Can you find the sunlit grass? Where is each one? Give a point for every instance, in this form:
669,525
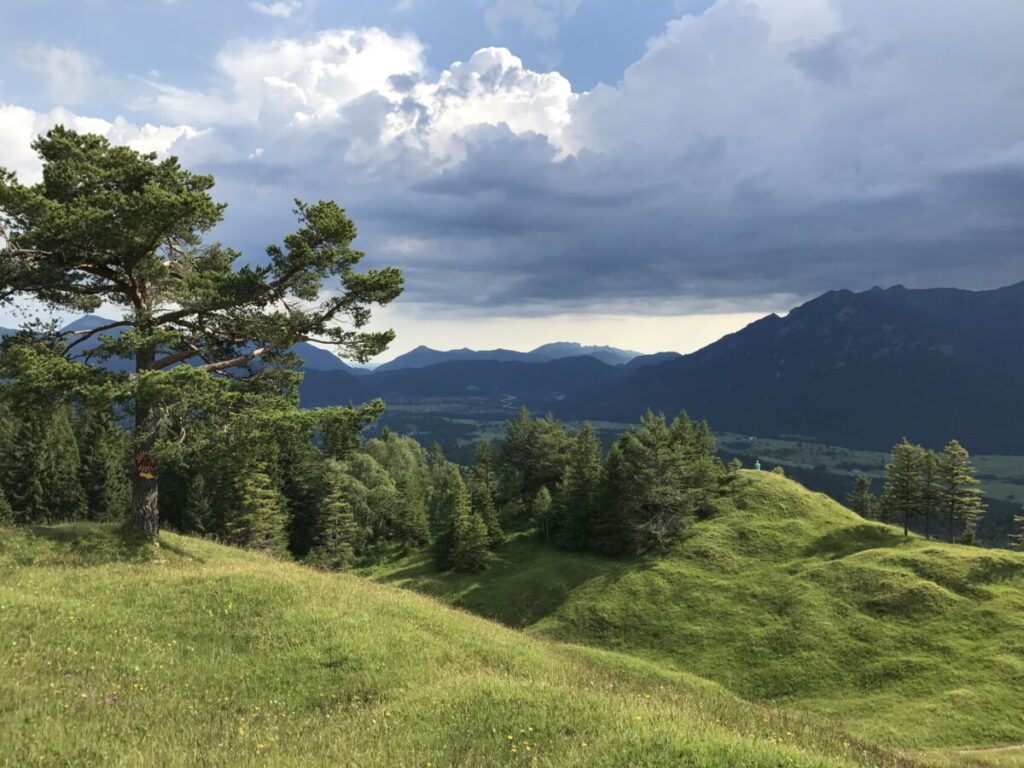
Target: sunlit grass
214,656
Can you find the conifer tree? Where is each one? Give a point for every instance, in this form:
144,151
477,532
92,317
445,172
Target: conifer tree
861,500
931,492
1016,537
470,552
103,448
258,521
405,462
958,491
541,511
579,493
110,224
454,508
485,466
337,537
482,502
901,497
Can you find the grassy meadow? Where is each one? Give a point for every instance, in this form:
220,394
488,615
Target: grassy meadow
219,657
786,597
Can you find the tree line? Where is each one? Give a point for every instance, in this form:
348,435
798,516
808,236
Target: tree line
938,489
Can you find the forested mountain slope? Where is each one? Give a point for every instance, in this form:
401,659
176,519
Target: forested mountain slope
784,595
854,369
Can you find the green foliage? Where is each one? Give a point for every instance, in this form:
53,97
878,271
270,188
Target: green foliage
452,506
470,543
258,520
104,455
542,512
785,596
482,504
405,462
901,497
533,456
109,225
958,491
337,536
778,470
861,500
6,512
1016,538
579,493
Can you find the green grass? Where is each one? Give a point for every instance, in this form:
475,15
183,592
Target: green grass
785,596
212,656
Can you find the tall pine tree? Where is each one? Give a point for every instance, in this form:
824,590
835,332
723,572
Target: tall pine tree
336,539
258,521
579,493
959,494
901,497
861,500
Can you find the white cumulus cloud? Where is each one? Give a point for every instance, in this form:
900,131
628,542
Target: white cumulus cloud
70,73
280,9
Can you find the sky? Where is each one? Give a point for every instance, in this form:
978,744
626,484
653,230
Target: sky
650,174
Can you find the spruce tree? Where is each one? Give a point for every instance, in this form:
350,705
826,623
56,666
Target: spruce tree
482,503
1016,537
470,552
454,506
336,540
258,521
931,493
959,494
861,500
6,513
901,497
579,494
103,448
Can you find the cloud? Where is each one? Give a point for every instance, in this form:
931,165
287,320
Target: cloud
372,90
540,17
70,74
19,127
757,153
282,10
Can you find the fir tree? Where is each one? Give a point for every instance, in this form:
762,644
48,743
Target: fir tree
578,495
959,494
337,538
454,508
931,492
258,521
901,497
470,552
861,500
1016,537
482,502
103,449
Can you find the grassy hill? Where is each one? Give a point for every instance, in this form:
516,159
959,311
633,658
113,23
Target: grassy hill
786,596
220,657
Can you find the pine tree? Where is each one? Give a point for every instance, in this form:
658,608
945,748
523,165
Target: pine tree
482,502
258,521
541,513
470,552
931,493
485,466
578,495
901,496
959,494
103,450
861,500
337,538
454,506
1016,537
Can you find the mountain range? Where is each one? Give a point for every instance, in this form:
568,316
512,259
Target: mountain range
855,369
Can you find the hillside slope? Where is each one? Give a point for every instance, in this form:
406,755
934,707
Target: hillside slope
218,657
786,596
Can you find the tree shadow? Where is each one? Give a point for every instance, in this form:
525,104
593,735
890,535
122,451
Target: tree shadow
850,541
82,544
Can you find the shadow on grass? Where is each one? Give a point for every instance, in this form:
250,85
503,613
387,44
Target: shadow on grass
83,544
850,541
527,581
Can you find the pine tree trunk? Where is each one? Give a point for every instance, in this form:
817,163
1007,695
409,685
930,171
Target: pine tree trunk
145,512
